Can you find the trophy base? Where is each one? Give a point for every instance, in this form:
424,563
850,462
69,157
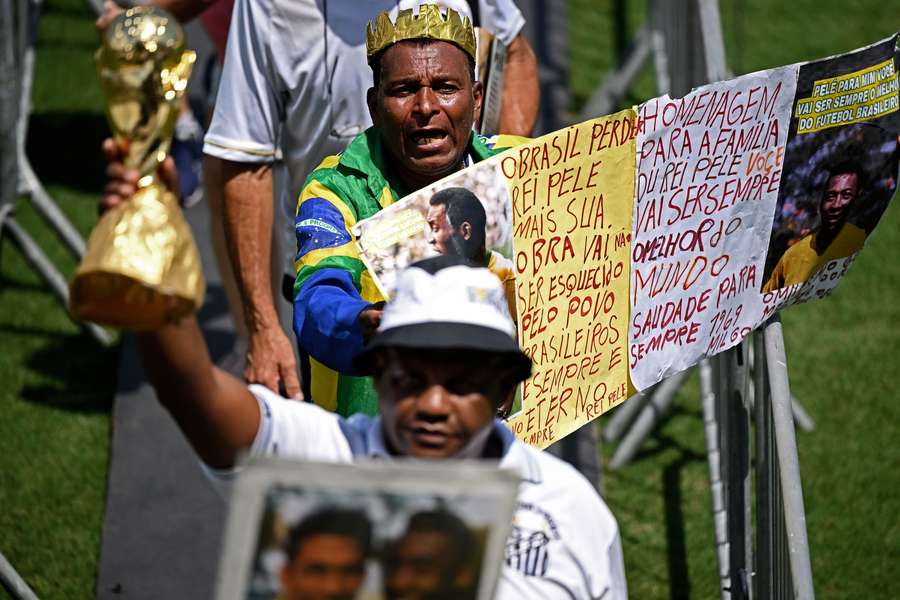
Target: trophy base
141,268
119,301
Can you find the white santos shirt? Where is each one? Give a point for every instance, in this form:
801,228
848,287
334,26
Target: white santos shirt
564,543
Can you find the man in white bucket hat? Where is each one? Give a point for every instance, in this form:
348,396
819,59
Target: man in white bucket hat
444,361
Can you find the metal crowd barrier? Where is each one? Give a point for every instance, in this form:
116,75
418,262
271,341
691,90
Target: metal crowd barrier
768,560
772,564
19,34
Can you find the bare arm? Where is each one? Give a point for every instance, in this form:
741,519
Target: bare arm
216,412
248,232
521,95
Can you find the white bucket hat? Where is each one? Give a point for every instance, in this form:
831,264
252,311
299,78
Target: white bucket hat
442,303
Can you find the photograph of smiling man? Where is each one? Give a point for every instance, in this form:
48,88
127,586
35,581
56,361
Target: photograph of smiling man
840,166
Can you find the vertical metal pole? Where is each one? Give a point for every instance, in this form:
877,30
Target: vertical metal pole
788,461
714,460
28,181
772,572
764,565
734,444
491,99
657,43
677,20
734,399
10,55
18,33
9,106
762,559
713,44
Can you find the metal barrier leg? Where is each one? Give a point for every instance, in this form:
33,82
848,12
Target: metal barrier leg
657,405
623,416
771,571
47,208
18,33
48,272
616,84
29,184
714,460
801,417
731,379
13,583
788,461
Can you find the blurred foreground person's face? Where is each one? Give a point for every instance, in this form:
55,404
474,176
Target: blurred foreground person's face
839,195
325,567
422,568
433,402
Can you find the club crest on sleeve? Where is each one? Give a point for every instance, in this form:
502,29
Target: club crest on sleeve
529,542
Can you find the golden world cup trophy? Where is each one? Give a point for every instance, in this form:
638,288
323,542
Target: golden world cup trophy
141,268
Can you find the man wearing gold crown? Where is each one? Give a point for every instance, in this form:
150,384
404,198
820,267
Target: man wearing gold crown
423,104
292,92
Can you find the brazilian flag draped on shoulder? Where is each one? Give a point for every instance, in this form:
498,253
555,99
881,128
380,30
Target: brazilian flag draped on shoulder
342,190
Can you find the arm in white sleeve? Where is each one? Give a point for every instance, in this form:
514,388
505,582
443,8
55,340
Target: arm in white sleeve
502,18
249,110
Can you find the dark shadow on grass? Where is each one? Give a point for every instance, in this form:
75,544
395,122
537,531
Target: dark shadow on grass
25,331
82,374
85,375
64,149
676,549
657,443
7,283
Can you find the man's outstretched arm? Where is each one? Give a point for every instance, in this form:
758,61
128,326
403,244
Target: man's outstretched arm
215,411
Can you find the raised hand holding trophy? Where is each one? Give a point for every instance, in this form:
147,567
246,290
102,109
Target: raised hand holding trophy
141,268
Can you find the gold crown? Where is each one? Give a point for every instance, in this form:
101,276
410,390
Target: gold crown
429,23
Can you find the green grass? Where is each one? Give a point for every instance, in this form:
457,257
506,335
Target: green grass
57,385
